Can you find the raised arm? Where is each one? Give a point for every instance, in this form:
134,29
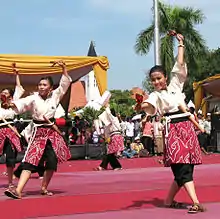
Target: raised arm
16,72
179,71
65,80
180,56
19,90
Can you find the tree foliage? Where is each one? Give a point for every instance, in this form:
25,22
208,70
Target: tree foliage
181,19
122,102
90,114
146,84
207,67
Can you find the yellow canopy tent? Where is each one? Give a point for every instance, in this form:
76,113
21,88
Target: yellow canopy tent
203,90
32,68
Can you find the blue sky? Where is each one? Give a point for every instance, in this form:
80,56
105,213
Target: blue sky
55,27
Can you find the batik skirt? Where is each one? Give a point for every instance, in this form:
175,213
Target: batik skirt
116,144
182,145
6,132
38,143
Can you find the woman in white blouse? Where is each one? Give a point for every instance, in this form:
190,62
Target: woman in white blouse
10,143
182,149
46,144
112,131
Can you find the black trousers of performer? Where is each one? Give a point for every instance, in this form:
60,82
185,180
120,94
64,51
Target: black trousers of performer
204,140
38,169
148,144
10,154
110,159
183,173
49,160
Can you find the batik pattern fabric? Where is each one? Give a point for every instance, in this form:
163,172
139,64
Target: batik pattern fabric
38,143
182,145
116,144
6,132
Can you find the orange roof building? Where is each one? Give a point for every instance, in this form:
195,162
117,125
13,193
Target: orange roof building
77,95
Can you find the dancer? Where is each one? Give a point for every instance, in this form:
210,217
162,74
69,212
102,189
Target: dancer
112,130
46,144
182,149
10,143
26,133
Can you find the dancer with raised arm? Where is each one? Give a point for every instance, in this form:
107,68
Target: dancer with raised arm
10,143
46,143
26,134
182,149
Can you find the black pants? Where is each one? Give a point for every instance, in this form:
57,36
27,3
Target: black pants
10,153
202,137
38,169
183,173
48,160
148,144
112,159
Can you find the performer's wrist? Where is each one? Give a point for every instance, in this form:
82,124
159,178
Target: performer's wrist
181,45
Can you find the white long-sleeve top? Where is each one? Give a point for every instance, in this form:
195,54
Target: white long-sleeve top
158,127
166,101
111,122
19,91
27,132
207,127
40,107
9,113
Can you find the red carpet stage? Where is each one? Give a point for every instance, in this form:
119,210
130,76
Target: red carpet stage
135,192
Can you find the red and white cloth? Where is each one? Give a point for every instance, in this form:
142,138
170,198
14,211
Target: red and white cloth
6,132
13,138
116,144
182,145
38,143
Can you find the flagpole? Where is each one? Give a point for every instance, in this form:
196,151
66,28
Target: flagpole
156,35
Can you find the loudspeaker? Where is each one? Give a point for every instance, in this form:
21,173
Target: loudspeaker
218,141
215,140
215,121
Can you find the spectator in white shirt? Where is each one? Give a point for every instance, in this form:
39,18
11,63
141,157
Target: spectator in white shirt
129,131
207,127
202,136
122,124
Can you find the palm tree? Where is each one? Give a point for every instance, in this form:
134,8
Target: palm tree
182,20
